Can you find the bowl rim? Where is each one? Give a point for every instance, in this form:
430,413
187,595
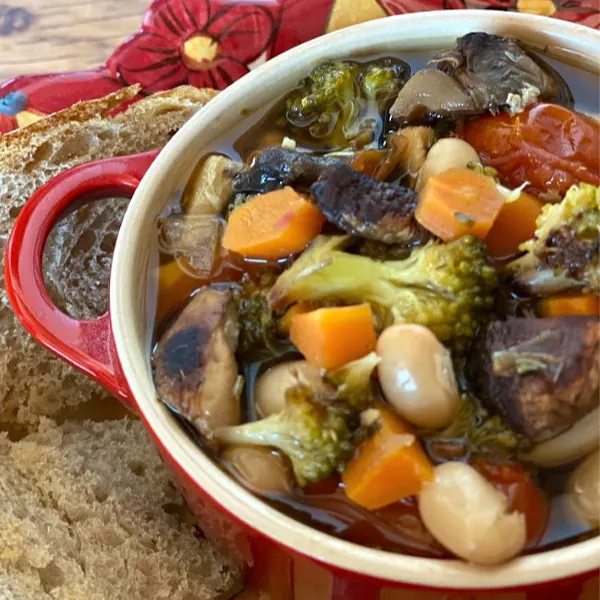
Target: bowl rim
233,498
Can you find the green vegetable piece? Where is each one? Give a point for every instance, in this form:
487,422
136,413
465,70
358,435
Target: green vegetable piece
446,287
317,439
565,250
382,80
482,431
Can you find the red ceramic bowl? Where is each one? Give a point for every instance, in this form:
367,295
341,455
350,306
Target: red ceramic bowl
115,349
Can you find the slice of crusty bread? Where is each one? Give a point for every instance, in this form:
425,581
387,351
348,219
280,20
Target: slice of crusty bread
86,508
32,382
88,513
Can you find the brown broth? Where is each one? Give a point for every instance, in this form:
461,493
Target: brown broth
397,528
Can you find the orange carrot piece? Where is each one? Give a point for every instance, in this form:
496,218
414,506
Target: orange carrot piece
514,225
389,466
273,225
300,308
564,305
174,287
329,338
459,202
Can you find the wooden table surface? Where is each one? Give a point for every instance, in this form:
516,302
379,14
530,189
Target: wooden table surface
38,36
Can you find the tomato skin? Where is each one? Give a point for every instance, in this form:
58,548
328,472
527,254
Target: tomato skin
547,145
523,494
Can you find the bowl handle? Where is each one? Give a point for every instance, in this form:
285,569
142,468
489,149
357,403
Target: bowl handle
87,345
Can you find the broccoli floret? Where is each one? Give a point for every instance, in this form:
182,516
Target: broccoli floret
565,250
446,287
353,382
382,80
326,99
339,100
258,324
482,431
318,439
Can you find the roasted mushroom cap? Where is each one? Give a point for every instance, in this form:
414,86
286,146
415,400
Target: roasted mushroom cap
276,167
431,93
483,72
195,370
366,207
540,374
492,69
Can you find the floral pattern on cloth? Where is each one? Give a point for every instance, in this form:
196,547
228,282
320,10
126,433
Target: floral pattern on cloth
212,43
195,42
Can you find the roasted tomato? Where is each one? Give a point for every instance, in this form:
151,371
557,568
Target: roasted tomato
549,146
523,494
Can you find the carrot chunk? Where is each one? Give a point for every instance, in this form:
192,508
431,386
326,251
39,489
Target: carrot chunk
459,202
273,225
564,305
297,309
174,287
329,338
514,225
389,466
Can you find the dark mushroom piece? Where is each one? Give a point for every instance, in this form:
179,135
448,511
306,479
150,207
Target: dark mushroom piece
482,73
540,374
431,93
368,208
195,369
276,167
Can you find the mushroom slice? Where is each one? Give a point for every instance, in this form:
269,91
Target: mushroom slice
195,370
431,93
210,186
274,168
540,374
482,73
366,207
497,71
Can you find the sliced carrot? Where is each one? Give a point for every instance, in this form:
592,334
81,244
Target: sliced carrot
332,337
298,309
564,305
514,225
459,202
389,466
273,225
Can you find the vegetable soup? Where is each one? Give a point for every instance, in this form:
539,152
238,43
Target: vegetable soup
378,302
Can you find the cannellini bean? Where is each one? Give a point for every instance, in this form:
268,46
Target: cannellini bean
259,469
417,377
470,517
584,489
448,153
576,442
270,388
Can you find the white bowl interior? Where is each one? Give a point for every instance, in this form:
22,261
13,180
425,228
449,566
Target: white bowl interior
130,303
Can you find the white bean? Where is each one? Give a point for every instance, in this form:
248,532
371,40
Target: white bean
448,153
259,469
270,388
470,517
578,441
417,377
584,489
